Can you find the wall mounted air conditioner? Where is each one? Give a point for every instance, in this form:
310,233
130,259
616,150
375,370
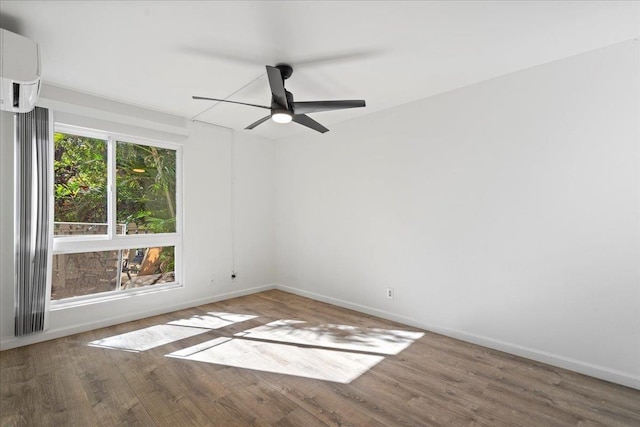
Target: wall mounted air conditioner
20,72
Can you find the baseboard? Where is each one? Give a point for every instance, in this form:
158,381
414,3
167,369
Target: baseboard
103,323
600,372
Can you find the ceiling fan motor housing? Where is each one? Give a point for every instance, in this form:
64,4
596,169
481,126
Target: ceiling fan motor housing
285,70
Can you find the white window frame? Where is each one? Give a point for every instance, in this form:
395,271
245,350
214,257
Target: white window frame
113,241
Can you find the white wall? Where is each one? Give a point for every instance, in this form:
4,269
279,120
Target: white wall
213,158
254,210
505,213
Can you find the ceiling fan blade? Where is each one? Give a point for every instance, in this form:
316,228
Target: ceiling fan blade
307,121
276,82
316,106
231,102
259,122
336,57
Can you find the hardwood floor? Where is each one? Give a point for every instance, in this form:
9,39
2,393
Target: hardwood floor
230,363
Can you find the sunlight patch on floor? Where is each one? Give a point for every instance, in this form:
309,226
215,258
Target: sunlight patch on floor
147,338
329,352
317,363
175,330
212,320
343,337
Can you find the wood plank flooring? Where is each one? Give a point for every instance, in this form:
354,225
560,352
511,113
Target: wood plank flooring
230,364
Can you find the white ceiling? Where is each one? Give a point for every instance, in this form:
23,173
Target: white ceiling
157,54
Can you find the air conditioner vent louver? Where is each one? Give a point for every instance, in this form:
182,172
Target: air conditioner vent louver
16,95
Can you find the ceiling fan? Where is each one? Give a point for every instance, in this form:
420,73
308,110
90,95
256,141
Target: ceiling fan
284,109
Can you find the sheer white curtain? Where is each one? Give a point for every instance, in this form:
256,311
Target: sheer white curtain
32,220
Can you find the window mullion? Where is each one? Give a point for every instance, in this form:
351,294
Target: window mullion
111,188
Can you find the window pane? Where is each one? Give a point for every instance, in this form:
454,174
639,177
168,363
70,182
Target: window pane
146,188
84,274
80,185
147,267
89,273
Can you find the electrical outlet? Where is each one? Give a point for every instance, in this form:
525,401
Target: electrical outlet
390,293
212,281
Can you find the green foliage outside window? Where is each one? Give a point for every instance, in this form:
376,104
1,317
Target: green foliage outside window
146,187
80,169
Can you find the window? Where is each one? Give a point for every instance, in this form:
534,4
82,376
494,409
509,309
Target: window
80,185
146,187
116,214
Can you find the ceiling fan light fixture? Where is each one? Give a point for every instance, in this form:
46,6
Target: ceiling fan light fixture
281,116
